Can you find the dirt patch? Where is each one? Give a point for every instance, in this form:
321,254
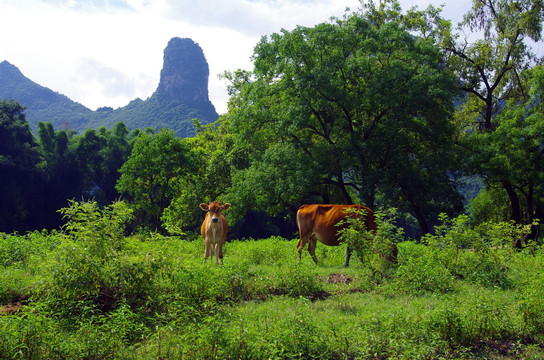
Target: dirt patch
11,309
506,349
339,279
320,295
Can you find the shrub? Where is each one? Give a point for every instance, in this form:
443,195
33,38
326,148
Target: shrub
480,254
94,260
378,249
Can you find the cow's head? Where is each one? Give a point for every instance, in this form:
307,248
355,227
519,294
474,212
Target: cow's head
214,209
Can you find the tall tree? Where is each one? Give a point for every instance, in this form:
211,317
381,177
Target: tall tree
493,53
348,111
512,156
211,154
491,61
150,173
81,166
65,180
115,153
22,170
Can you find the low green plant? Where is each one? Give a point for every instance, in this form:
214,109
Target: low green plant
296,279
531,287
376,248
15,285
420,271
476,253
17,250
95,260
29,335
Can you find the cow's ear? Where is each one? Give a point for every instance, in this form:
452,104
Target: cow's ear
225,206
204,207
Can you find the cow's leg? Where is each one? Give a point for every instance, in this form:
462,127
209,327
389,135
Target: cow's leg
207,249
300,246
312,241
218,253
348,255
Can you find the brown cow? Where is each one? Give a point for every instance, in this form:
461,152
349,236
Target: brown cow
214,229
319,222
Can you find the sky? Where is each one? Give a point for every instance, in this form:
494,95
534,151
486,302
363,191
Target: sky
109,52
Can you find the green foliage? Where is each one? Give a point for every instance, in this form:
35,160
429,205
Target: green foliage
420,271
101,230
351,99
482,254
377,248
296,279
40,176
33,336
149,175
209,176
355,108
491,204
95,262
16,250
490,67
528,274
275,253
21,169
511,161
262,303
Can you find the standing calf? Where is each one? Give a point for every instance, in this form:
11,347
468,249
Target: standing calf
214,229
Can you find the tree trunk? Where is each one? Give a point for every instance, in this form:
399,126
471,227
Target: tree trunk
515,210
423,225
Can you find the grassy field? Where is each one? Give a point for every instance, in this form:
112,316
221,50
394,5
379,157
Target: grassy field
96,294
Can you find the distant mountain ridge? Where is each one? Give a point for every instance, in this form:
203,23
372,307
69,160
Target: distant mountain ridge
181,96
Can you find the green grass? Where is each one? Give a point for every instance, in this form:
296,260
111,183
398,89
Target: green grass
156,299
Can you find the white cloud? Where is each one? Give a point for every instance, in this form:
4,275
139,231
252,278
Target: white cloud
256,17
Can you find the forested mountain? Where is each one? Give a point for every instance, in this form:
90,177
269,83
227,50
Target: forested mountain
181,96
42,104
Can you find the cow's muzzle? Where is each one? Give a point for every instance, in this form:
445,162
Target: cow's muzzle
215,220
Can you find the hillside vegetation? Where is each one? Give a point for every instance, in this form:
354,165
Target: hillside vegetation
90,292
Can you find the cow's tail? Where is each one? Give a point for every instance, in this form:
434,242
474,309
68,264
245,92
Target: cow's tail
302,241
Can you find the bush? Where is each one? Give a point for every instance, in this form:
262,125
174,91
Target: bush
94,260
479,254
377,249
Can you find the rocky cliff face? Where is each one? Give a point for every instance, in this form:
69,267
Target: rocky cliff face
181,96
185,73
